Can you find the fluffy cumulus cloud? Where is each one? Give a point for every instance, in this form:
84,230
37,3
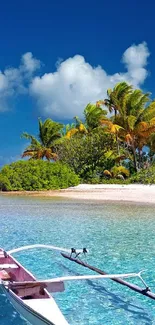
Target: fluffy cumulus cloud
14,81
135,59
29,63
67,91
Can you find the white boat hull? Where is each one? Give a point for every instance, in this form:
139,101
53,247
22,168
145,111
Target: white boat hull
32,315
22,309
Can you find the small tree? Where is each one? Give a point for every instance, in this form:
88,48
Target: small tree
43,146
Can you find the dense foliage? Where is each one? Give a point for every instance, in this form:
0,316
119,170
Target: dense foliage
144,176
87,155
36,175
115,142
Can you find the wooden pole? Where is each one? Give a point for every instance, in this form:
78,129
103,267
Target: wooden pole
144,291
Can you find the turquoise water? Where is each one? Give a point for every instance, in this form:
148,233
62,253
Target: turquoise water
120,238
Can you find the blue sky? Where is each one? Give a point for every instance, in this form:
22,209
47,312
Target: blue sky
56,56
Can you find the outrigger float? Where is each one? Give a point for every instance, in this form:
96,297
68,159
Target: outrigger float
32,298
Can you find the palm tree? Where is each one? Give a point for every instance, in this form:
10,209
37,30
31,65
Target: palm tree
151,144
43,146
66,129
117,97
94,114
116,102
137,121
78,127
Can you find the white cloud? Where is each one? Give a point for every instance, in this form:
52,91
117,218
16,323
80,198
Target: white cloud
29,63
135,59
65,92
75,83
14,80
136,56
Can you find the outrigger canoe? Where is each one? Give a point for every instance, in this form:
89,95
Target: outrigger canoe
33,299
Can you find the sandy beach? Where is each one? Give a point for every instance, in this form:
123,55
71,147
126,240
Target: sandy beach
100,192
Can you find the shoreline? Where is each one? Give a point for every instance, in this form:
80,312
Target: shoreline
98,192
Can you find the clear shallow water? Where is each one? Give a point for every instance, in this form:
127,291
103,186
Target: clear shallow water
120,237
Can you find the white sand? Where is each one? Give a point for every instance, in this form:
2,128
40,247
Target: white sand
112,192
100,192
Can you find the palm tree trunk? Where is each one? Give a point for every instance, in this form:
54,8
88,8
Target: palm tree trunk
140,158
115,109
134,158
118,147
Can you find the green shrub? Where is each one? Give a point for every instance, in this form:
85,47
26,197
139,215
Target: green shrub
35,175
115,181
4,183
145,176
104,180
120,170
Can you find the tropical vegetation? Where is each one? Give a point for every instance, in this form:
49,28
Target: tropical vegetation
43,145
35,175
113,142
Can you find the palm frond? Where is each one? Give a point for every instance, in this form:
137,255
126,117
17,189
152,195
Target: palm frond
93,114
149,112
28,153
71,132
131,120
49,133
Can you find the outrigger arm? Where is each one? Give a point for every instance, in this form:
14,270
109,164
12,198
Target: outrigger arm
74,278
60,249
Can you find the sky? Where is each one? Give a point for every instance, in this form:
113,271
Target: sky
57,56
